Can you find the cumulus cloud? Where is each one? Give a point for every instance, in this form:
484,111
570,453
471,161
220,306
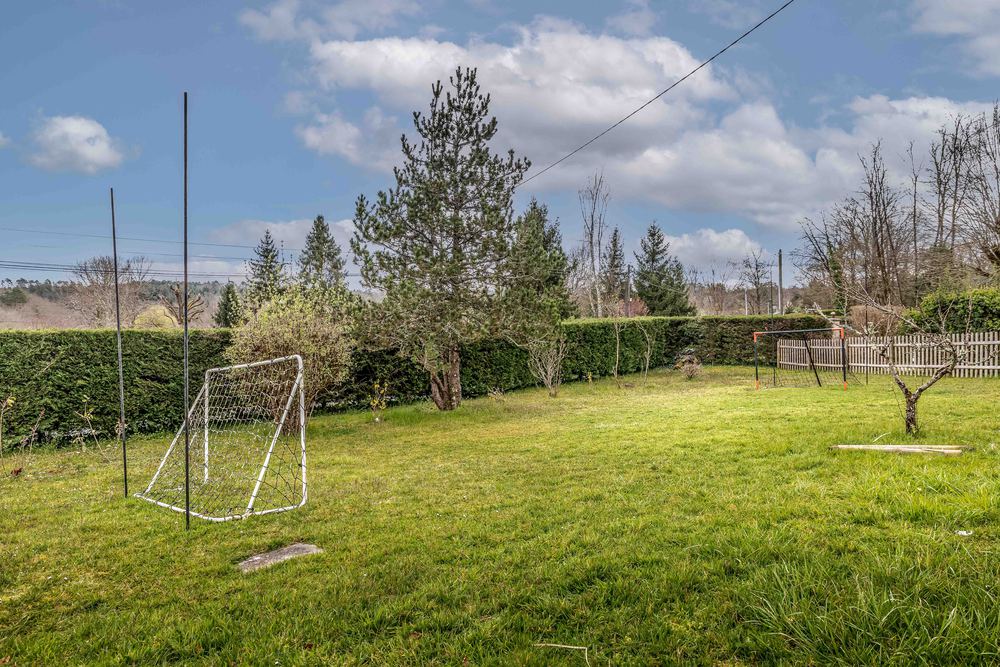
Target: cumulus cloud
711,145
373,143
283,20
706,248
75,143
975,22
637,19
289,234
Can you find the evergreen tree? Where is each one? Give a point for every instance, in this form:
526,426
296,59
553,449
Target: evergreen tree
552,263
613,271
321,263
435,244
228,312
659,277
266,280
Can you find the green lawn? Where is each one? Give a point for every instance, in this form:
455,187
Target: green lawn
694,522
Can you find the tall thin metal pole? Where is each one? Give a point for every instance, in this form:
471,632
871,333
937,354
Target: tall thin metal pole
628,291
187,397
781,283
118,327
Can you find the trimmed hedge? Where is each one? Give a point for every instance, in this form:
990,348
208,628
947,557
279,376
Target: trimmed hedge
64,372
977,309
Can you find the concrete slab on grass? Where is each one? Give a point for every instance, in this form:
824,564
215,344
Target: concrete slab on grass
260,561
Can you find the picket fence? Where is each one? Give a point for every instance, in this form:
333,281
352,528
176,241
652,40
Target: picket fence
915,355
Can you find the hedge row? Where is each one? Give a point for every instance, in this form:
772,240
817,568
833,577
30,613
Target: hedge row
71,373
975,310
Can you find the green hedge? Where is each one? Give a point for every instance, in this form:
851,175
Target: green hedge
978,309
66,372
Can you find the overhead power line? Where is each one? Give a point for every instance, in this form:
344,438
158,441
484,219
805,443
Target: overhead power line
131,238
658,95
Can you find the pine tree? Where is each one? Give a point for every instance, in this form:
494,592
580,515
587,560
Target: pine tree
266,280
659,277
435,243
228,312
613,272
321,264
553,264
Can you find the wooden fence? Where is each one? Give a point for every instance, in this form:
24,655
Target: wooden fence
914,354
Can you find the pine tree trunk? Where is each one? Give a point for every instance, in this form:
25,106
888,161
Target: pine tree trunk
446,385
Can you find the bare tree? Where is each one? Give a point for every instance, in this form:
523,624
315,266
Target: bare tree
175,304
593,209
93,294
755,278
983,204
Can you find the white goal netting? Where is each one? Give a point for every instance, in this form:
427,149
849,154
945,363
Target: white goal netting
247,452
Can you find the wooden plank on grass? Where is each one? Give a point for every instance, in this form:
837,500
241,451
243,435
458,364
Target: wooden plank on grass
946,450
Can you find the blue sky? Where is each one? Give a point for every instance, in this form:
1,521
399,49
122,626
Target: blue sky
297,107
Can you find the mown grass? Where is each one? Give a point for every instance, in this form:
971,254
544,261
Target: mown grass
676,522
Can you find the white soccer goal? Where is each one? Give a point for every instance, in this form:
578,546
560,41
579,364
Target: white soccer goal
247,452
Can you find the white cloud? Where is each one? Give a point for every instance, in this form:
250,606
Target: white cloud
976,23
732,14
75,143
638,19
706,249
374,144
290,235
277,22
4,141
712,145
283,20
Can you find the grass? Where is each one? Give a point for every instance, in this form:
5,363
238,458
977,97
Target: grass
677,522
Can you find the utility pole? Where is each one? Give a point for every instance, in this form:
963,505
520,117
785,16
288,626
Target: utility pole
746,302
781,285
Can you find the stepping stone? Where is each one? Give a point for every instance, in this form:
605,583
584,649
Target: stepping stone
260,561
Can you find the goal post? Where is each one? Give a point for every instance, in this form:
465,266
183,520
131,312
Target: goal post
247,423
801,358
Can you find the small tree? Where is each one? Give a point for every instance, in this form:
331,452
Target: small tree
321,263
228,314
659,277
266,279
535,298
613,270
436,242
93,292
294,322
175,305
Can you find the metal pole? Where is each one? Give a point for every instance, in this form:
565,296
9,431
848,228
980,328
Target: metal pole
843,356
781,300
118,327
756,364
628,291
187,397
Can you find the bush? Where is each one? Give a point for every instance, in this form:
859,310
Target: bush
973,310
314,326
57,370
155,317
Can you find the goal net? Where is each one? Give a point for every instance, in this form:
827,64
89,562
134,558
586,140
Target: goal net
801,358
247,445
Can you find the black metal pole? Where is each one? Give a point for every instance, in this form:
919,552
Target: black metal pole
812,365
756,365
118,327
187,398
843,355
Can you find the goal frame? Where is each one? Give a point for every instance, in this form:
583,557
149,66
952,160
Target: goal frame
201,401
838,332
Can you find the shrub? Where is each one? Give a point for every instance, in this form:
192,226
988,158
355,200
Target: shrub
155,317
688,364
314,326
973,310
